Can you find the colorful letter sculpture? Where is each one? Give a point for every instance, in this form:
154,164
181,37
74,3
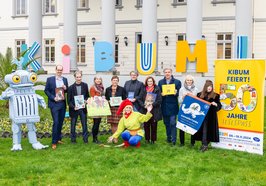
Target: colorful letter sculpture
199,55
23,105
66,59
146,58
242,47
103,56
29,56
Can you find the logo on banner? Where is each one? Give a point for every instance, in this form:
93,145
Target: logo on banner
146,58
103,56
199,56
192,113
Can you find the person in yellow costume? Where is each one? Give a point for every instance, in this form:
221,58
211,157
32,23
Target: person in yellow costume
130,124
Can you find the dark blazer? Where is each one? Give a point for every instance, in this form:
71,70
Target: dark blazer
138,88
120,91
170,103
72,91
156,110
50,92
212,121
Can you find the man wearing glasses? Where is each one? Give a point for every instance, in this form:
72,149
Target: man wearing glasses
55,89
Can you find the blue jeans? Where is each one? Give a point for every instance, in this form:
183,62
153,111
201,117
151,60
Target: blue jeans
170,125
132,140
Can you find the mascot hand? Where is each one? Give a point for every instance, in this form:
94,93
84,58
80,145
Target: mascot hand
110,139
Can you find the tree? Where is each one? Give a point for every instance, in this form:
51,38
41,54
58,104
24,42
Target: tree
6,67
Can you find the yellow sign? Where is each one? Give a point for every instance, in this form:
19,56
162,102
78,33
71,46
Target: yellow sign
241,87
199,55
168,89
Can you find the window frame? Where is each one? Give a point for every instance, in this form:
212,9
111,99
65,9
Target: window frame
83,8
224,42
18,46
15,8
181,34
119,5
80,44
177,3
50,46
50,12
215,2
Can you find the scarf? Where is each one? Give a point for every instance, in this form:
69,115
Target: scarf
189,88
99,88
149,89
127,114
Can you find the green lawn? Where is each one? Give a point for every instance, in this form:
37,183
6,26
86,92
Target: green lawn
159,164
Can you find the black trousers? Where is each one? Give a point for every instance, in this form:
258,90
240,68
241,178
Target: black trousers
182,138
95,127
150,128
83,118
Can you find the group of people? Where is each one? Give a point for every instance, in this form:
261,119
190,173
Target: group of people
128,119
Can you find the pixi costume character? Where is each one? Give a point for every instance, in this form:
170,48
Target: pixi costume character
23,105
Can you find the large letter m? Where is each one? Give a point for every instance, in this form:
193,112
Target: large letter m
199,56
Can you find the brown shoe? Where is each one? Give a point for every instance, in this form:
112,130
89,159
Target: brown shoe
60,142
53,146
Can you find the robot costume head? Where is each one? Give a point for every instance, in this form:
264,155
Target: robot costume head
21,78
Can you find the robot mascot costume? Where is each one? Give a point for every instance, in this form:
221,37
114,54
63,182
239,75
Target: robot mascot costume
23,105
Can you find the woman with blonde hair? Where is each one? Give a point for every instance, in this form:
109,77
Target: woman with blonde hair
96,89
187,88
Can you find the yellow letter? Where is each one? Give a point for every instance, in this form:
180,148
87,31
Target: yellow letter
199,55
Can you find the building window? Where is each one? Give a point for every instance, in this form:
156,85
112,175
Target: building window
118,4
18,43
181,37
214,2
179,2
224,45
49,49
83,4
49,6
116,48
81,49
20,7
139,4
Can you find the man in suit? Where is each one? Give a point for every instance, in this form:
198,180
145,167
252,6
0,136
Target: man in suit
79,88
56,104
135,92
169,105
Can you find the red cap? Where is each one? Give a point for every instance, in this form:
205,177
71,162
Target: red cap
124,103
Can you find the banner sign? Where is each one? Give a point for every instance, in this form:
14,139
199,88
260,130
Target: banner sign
241,119
192,113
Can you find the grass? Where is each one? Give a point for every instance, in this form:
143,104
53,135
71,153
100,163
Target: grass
159,164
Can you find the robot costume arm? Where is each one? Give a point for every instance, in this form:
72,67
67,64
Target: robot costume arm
9,92
41,101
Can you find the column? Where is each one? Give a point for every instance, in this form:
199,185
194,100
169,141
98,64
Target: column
244,24
108,21
70,31
35,25
149,21
194,27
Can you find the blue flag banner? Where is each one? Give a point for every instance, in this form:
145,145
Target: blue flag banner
192,113
242,47
103,56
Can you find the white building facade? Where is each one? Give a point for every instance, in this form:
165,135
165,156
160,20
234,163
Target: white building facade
218,28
